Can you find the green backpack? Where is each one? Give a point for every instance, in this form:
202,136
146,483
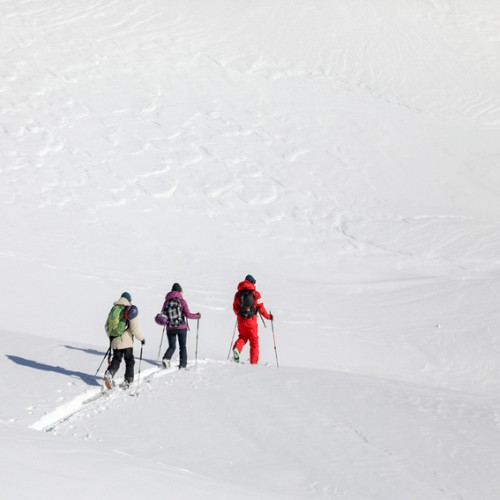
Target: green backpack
116,323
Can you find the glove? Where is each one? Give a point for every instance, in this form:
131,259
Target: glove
271,317
143,341
199,315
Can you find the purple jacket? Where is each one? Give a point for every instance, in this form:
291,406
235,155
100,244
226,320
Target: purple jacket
185,309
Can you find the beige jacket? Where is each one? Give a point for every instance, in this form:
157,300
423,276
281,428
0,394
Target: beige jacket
127,339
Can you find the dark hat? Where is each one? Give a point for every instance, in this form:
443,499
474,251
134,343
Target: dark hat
250,278
127,296
176,287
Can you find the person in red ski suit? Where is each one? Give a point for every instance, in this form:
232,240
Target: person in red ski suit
248,327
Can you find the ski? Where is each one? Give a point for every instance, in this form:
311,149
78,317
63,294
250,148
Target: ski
266,364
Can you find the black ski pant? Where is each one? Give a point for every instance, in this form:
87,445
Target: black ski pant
128,355
172,336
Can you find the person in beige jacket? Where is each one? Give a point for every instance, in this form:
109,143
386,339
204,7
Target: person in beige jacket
123,346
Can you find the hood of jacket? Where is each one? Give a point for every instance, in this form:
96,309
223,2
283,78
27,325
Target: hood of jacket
173,295
246,285
122,301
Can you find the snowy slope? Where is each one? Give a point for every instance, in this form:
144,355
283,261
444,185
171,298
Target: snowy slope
226,431
344,153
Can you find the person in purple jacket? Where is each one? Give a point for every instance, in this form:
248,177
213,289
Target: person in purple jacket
176,310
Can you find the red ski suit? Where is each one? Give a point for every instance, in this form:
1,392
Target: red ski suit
248,329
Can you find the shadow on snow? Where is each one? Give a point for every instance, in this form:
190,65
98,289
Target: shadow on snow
102,353
87,351
85,377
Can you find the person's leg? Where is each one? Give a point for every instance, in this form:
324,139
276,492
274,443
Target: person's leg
113,368
241,340
182,336
253,337
129,364
171,336
115,362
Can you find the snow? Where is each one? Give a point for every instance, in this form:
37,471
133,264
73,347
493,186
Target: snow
345,154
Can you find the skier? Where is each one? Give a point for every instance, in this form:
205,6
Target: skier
123,344
176,310
247,303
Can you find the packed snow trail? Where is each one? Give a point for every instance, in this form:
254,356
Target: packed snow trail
67,410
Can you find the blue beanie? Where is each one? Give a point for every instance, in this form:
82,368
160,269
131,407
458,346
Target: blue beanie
127,296
250,278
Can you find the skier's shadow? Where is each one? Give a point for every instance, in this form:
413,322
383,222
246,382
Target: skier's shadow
102,353
87,351
85,377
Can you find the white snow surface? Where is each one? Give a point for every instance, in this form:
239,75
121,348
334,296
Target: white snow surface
343,152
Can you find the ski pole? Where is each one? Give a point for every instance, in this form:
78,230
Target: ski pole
108,352
139,371
263,322
196,351
232,340
161,342
274,340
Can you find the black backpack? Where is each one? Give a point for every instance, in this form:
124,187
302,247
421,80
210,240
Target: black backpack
247,304
173,311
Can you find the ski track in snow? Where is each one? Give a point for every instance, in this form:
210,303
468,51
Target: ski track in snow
99,397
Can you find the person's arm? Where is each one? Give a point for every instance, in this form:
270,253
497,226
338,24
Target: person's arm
261,308
187,312
236,303
133,326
